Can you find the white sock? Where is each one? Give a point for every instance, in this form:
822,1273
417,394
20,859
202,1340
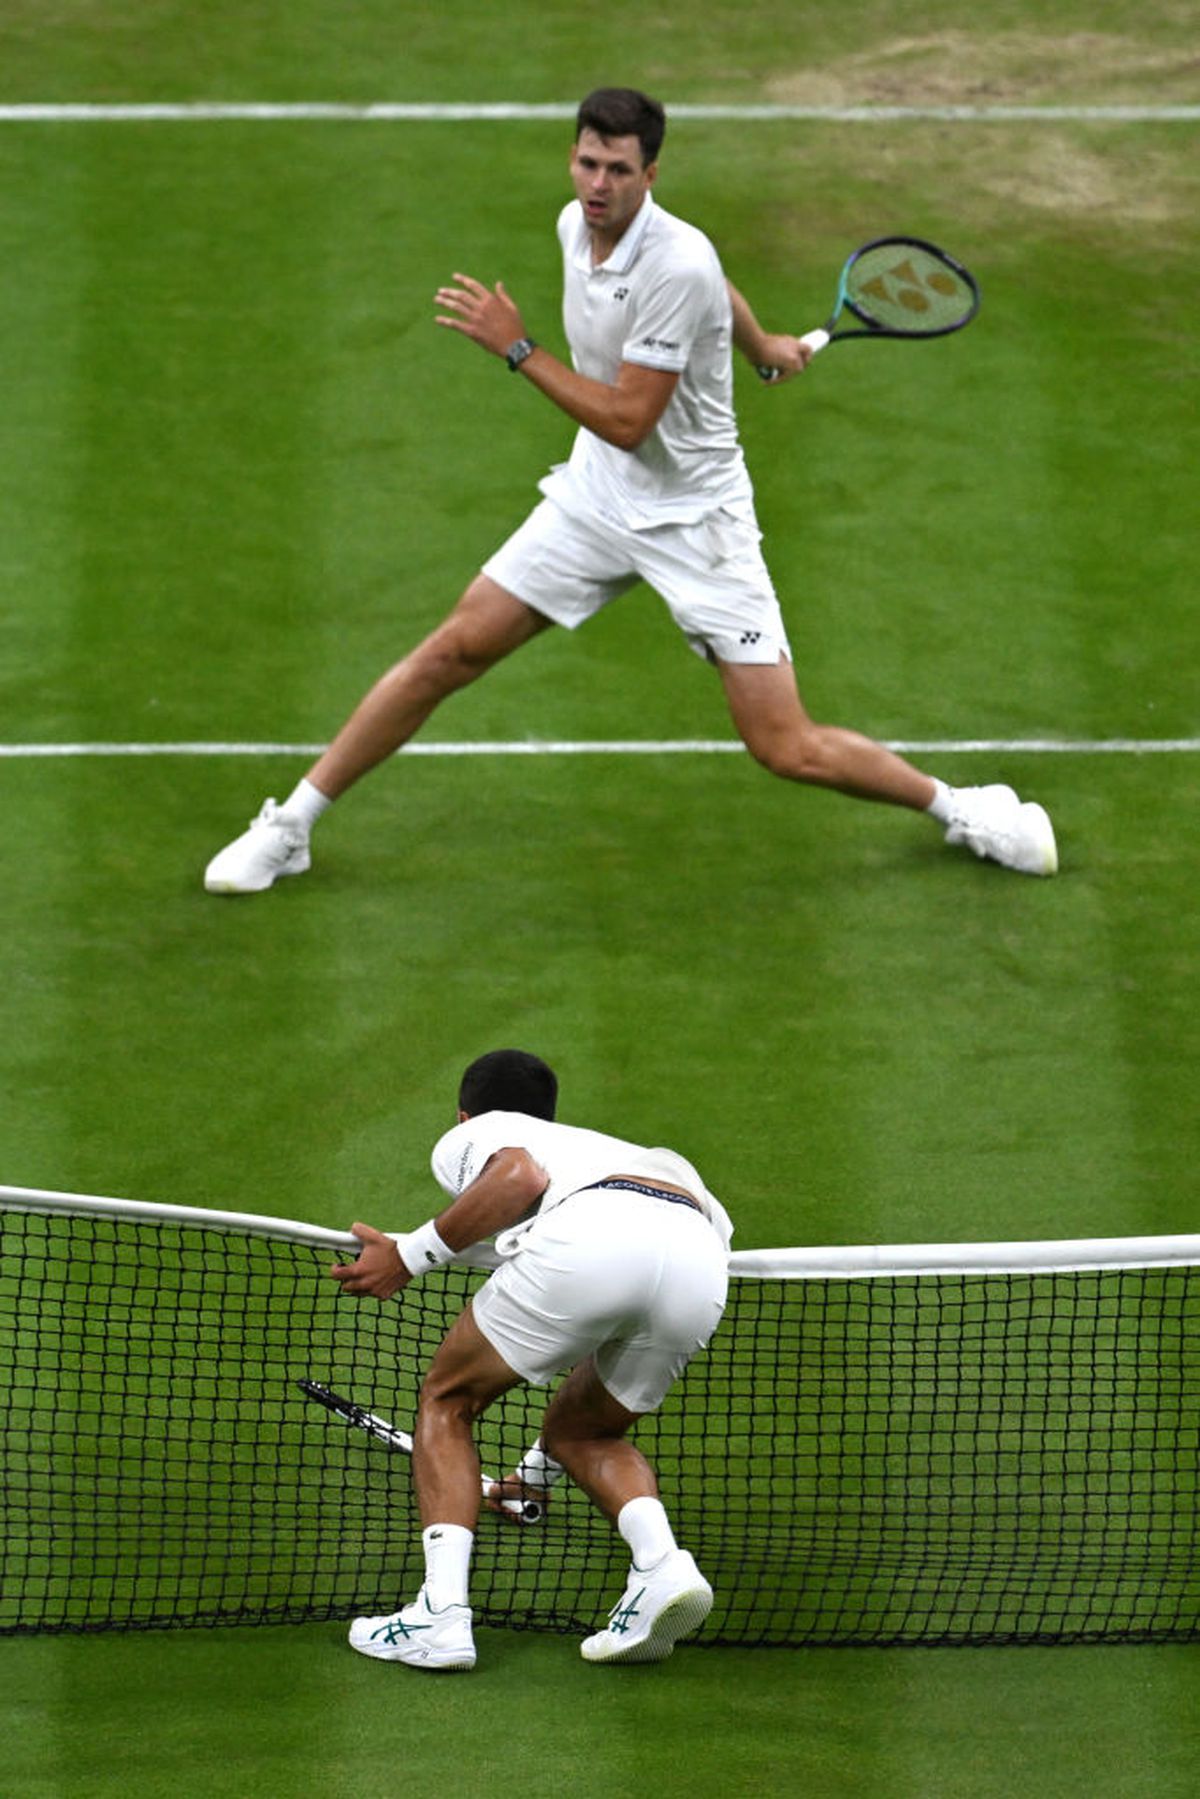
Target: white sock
447,1564
305,804
941,806
646,1528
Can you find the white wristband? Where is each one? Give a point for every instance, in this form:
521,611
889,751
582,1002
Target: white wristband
423,1249
537,1470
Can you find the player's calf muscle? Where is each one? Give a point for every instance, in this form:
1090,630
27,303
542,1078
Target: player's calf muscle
795,753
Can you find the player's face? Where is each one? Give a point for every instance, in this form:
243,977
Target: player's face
610,182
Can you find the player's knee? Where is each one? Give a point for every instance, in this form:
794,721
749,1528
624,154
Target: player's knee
445,1398
452,658
563,1441
582,1416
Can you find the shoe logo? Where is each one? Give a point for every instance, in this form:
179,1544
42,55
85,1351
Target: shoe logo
623,1614
395,1630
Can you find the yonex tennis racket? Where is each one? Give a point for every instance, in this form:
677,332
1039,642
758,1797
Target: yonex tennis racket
897,287
526,1511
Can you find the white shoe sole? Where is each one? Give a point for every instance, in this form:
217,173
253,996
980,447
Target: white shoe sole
446,1662
215,884
681,1615
217,881
432,1660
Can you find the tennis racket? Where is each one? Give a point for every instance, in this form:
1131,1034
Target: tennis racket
896,287
526,1511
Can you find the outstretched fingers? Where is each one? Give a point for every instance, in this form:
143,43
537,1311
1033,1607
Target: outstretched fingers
487,315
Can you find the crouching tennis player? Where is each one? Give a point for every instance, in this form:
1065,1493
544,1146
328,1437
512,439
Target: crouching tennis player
614,1265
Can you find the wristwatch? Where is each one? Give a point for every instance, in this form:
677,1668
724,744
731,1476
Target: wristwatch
516,353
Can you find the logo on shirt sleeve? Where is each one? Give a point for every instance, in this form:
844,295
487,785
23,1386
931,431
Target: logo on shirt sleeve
658,343
464,1162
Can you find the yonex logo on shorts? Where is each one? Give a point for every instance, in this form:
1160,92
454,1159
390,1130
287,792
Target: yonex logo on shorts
750,637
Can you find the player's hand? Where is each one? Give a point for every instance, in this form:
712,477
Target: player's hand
511,1488
784,355
378,1272
484,314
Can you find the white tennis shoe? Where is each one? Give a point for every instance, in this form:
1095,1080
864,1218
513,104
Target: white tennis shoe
654,1611
419,1636
276,844
994,822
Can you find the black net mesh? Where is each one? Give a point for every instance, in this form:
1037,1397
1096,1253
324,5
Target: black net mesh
928,1459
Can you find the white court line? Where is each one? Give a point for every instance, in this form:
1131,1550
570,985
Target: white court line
399,112
1024,746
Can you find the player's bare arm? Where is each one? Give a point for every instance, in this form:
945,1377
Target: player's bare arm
510,1185
766,349
623,413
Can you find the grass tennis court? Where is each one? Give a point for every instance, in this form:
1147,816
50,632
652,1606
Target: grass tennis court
242,471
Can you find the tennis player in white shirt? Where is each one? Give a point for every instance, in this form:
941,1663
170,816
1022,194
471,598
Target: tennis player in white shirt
655,489
613,1264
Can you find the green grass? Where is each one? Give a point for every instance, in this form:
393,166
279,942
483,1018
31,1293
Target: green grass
242,471
292,1712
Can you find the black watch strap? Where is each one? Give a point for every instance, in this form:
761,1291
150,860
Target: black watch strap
516,353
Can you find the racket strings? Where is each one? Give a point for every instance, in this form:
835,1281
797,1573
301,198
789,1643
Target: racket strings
904,288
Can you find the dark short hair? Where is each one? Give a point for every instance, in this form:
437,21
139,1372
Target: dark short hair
509,1080
624,112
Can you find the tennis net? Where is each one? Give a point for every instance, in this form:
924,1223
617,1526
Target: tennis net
951,1444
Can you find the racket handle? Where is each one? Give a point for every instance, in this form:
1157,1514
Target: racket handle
816,340
527,1510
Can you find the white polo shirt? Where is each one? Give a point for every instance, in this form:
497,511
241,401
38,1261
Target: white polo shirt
660,299
572,1157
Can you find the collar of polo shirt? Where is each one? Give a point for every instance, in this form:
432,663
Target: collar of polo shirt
620,259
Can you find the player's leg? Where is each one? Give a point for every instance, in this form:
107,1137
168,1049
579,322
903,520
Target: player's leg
771,720
465,1376
666,1596
486,625
585,1430
434,1632
661,1271
773,724
717,585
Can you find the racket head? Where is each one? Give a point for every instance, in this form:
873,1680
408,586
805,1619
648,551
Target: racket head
905,287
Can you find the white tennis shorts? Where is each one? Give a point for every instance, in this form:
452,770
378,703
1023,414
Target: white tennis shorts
711,574
636,1281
